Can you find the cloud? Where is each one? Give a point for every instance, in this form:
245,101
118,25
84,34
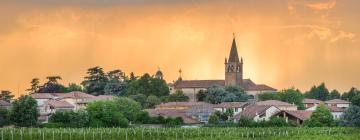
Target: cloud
322,5
331,35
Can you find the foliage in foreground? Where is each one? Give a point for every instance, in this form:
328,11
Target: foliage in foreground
283,133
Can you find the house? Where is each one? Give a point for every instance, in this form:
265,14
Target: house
41,98
180,105
237,107
336,112
310,102
201,113
258,112
54,105
297,116
5,104
338,103
279,104
76,98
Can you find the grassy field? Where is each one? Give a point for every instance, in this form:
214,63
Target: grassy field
338,133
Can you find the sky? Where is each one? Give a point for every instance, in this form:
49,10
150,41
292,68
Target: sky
284,43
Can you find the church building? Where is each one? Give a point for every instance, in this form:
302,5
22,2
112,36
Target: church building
233,77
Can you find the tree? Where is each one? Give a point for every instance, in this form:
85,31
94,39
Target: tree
269,96
321,117
128,107
200,96
178,96
95,82
106,114
351,116
4,117
140,98
334,94
148,85
246,122
217,94
73,119
152,101
74,87
350,94
52,85
5,95
34,87
116,83
24,111
291,96
356,100
320,92
214,119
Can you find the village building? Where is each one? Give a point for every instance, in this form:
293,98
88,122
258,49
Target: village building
335,111
236,107
233,77
296,116
338,103
49,103
279,104
5,104
310,102
258,112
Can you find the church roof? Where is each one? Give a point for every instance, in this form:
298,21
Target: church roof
248,84
233,57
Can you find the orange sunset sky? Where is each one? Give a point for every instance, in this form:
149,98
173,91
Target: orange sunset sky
284,43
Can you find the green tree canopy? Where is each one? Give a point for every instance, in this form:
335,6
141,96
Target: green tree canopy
178,96
319,92
24,111
269,96
350,94
106,114
34,87
351,116
321,117
52,85
356,100
152,101
200,96
217,94
334,94
95,82
148,85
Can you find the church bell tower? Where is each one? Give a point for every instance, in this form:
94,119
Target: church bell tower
233,67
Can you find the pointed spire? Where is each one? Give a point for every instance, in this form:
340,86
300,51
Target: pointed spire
233,57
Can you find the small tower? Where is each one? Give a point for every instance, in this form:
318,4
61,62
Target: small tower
159,74
233,67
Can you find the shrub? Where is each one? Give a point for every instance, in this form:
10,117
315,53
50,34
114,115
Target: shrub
214,119
4,117
51,125
321,117
246,122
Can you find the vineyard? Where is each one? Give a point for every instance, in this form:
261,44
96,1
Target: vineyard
178,133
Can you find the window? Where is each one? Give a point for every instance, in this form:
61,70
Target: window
236,109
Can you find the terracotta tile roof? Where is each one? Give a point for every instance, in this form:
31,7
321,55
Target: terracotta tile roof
274,103
105,97
311,101
335,109
337,101
205,109
252,110
181,104
42,95
231,105
4,103
59,104
261,87
300,114
75,95
173,114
